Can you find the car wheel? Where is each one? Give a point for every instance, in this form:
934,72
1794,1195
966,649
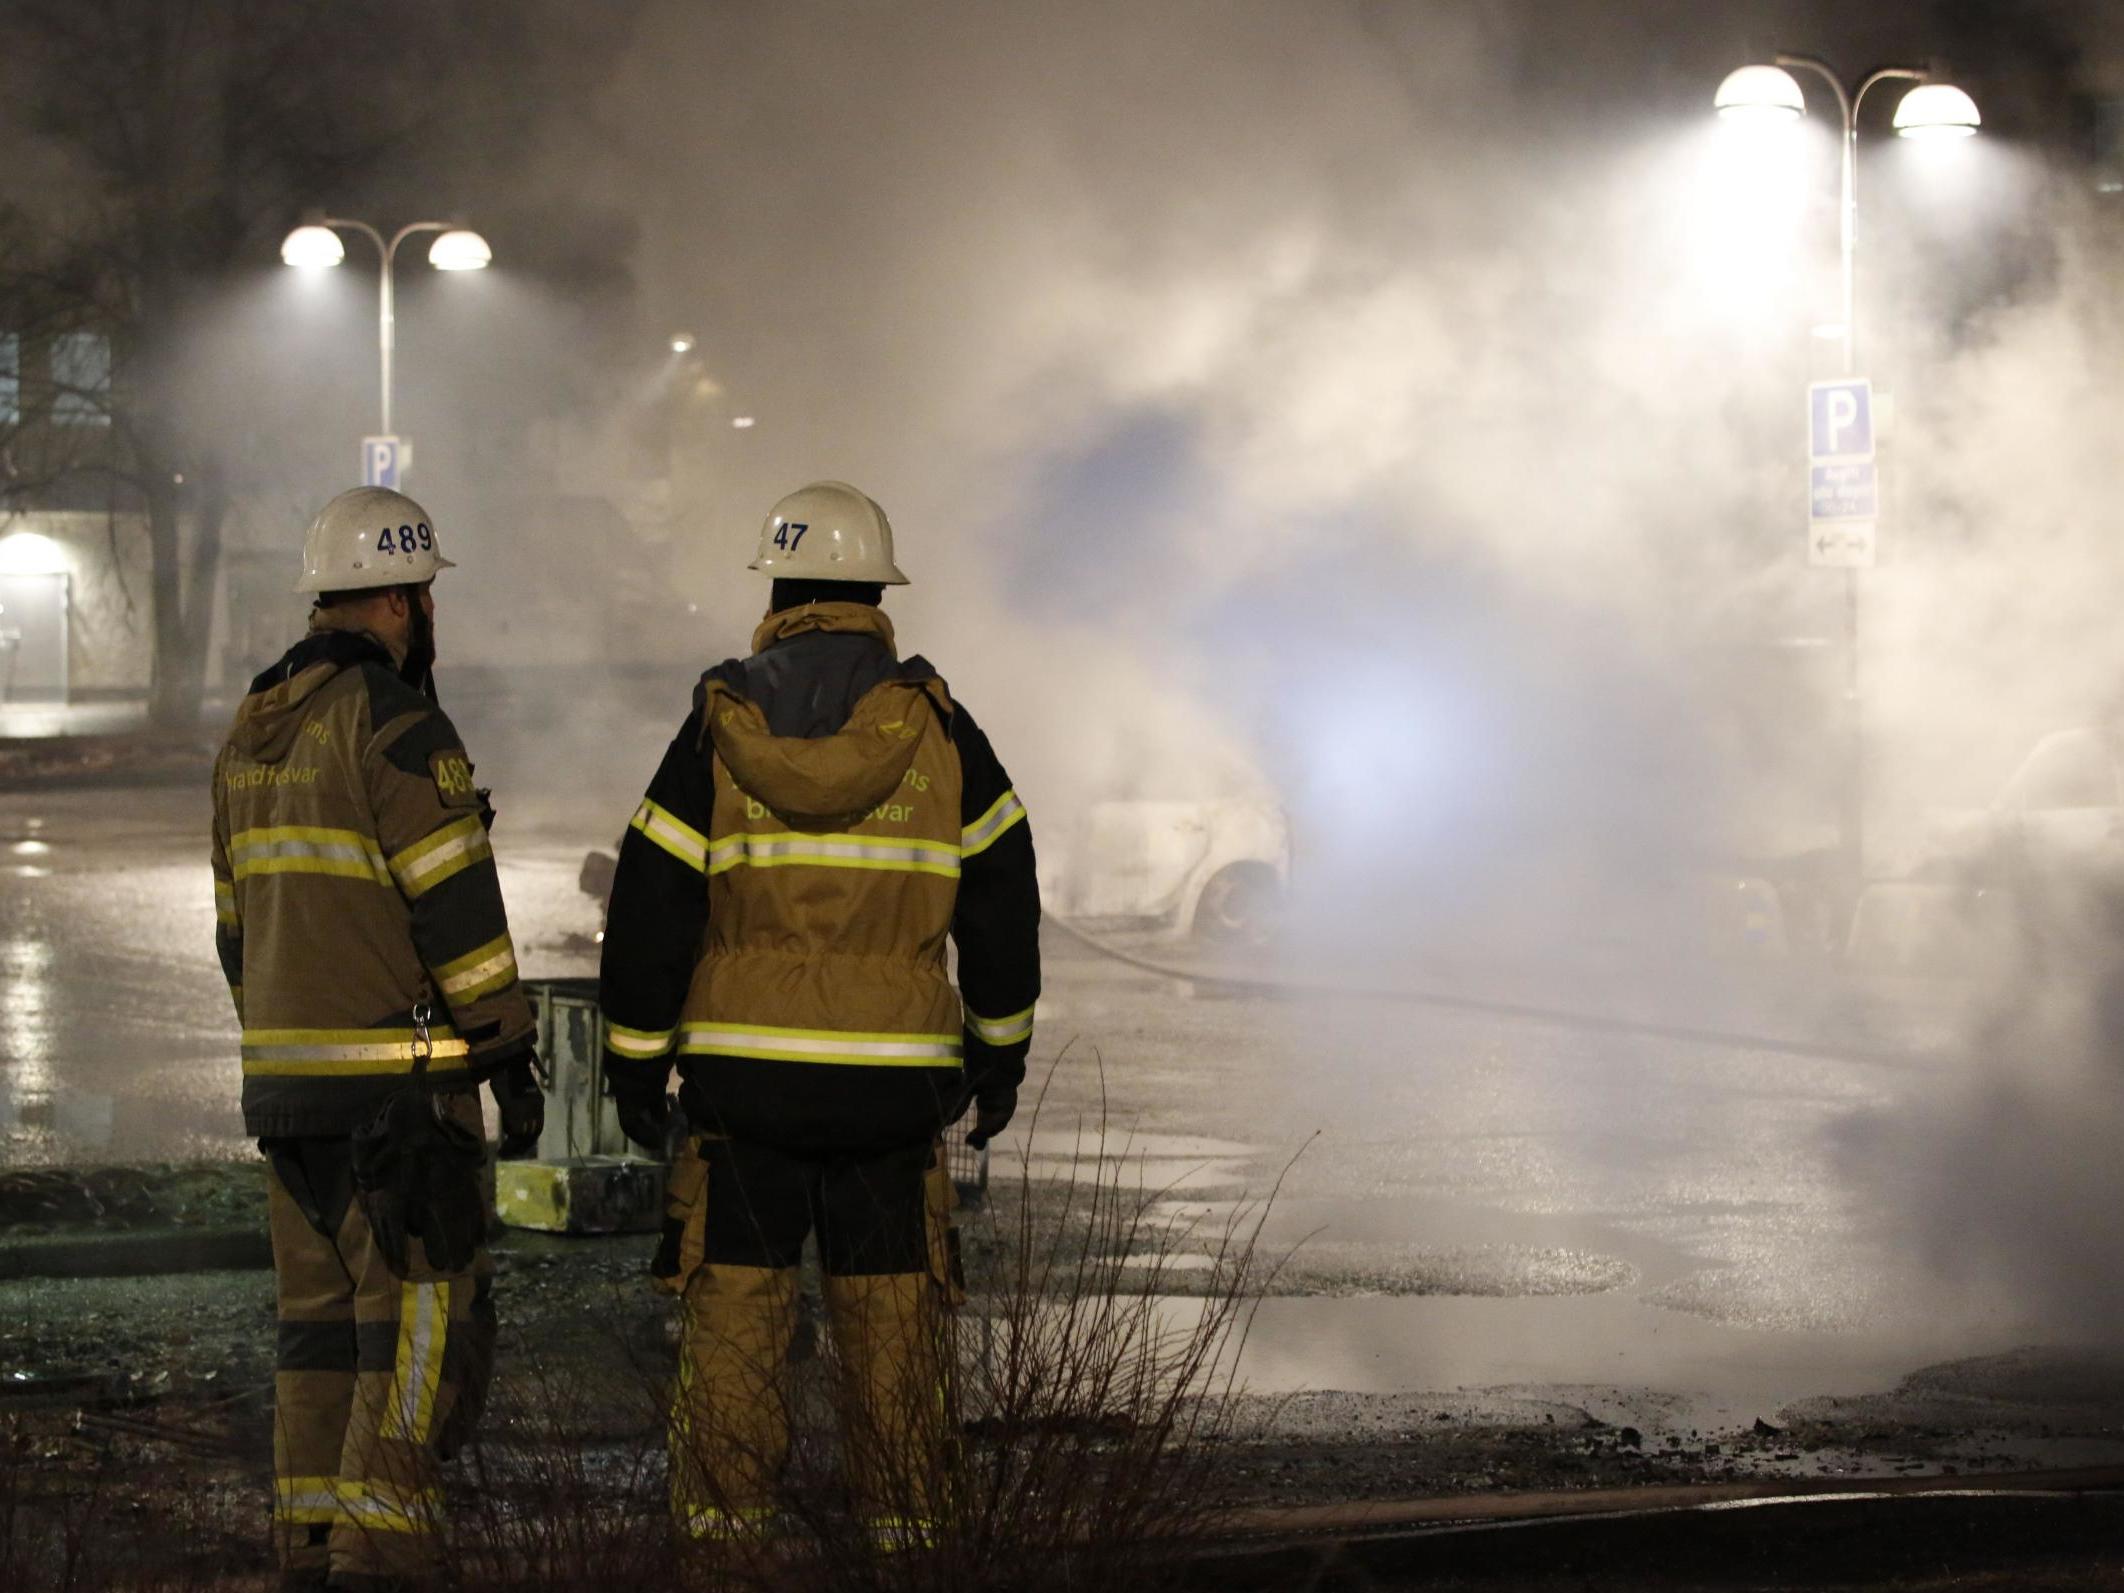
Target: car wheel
1237,907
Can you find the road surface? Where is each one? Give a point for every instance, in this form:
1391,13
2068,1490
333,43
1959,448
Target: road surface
1469,1201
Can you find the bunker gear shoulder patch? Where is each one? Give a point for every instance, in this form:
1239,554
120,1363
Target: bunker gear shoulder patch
452,773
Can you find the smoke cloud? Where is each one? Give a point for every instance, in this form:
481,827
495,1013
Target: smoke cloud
1391,408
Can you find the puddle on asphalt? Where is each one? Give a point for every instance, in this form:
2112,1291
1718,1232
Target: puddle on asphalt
1723,1375
1418,1226
1154,1163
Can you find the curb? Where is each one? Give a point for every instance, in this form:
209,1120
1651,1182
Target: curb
142,1253
1786,1532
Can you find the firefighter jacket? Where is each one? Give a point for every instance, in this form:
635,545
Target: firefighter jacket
825,821
353,882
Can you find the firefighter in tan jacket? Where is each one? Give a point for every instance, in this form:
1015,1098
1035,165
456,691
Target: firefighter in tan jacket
360,924
827,819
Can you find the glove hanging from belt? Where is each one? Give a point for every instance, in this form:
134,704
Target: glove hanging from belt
416,1173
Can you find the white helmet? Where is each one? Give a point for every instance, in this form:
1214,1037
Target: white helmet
369,537
827,531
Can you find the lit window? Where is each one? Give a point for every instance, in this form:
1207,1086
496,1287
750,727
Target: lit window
81,377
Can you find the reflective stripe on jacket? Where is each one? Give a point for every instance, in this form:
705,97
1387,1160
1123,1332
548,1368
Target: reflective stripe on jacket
788,887
353,881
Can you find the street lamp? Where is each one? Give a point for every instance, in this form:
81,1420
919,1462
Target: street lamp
1930,110
1772,94
315,246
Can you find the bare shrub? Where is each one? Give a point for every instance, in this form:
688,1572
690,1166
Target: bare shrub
82,1511
1072,1440
1068,1437
566,1490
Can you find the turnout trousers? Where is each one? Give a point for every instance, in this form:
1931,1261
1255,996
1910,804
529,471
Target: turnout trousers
378,1377
735,1227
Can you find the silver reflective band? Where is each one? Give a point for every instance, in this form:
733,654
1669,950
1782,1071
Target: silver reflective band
672,833
449,851
984,831
297,851
416,1375
820,1045
386,1509
844,851
636,1042
503,961
1002,1031
324,1052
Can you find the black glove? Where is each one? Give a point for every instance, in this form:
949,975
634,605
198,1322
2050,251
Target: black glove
646,1119
522,1105
416,1174
993,1108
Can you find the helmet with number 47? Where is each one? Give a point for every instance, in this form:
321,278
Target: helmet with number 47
828,531
369,537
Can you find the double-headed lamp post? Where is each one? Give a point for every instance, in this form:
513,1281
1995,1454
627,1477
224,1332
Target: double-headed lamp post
1932,109
315,246
1772,94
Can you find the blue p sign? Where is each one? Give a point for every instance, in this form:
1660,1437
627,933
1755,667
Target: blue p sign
1840,420
380,462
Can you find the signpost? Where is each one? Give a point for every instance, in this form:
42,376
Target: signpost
1843,488
383,461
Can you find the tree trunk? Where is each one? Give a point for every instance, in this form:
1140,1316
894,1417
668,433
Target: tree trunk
173,689
185,584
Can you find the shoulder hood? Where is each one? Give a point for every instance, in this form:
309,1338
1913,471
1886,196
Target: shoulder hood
821,782
273,710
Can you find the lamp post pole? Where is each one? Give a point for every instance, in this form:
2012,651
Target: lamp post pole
1930,110
1848,102
1852,798
386,314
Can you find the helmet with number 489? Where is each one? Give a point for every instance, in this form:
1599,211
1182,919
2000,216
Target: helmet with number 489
828,531
369,537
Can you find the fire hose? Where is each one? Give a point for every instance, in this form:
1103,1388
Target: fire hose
1512,1011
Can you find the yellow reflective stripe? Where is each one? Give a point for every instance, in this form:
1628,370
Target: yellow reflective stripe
447,852
820,1045
894,1532
225,903
306,849
636,1042
329,1500
328,1052
785,848
705,1521
314,834
479,972
381,1507
1002,1031
672,833
416,1372
308,1501
985,831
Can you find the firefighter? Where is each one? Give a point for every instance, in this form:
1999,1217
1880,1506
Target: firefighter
827,817
360,924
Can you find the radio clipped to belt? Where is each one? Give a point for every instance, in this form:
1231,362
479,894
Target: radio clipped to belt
416,1172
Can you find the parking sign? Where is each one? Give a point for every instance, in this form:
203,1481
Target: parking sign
381,462
1840,421
1843,481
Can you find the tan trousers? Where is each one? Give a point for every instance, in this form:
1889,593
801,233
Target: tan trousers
739,1217
378,1376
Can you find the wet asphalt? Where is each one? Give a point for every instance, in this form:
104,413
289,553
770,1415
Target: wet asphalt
1519,1215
